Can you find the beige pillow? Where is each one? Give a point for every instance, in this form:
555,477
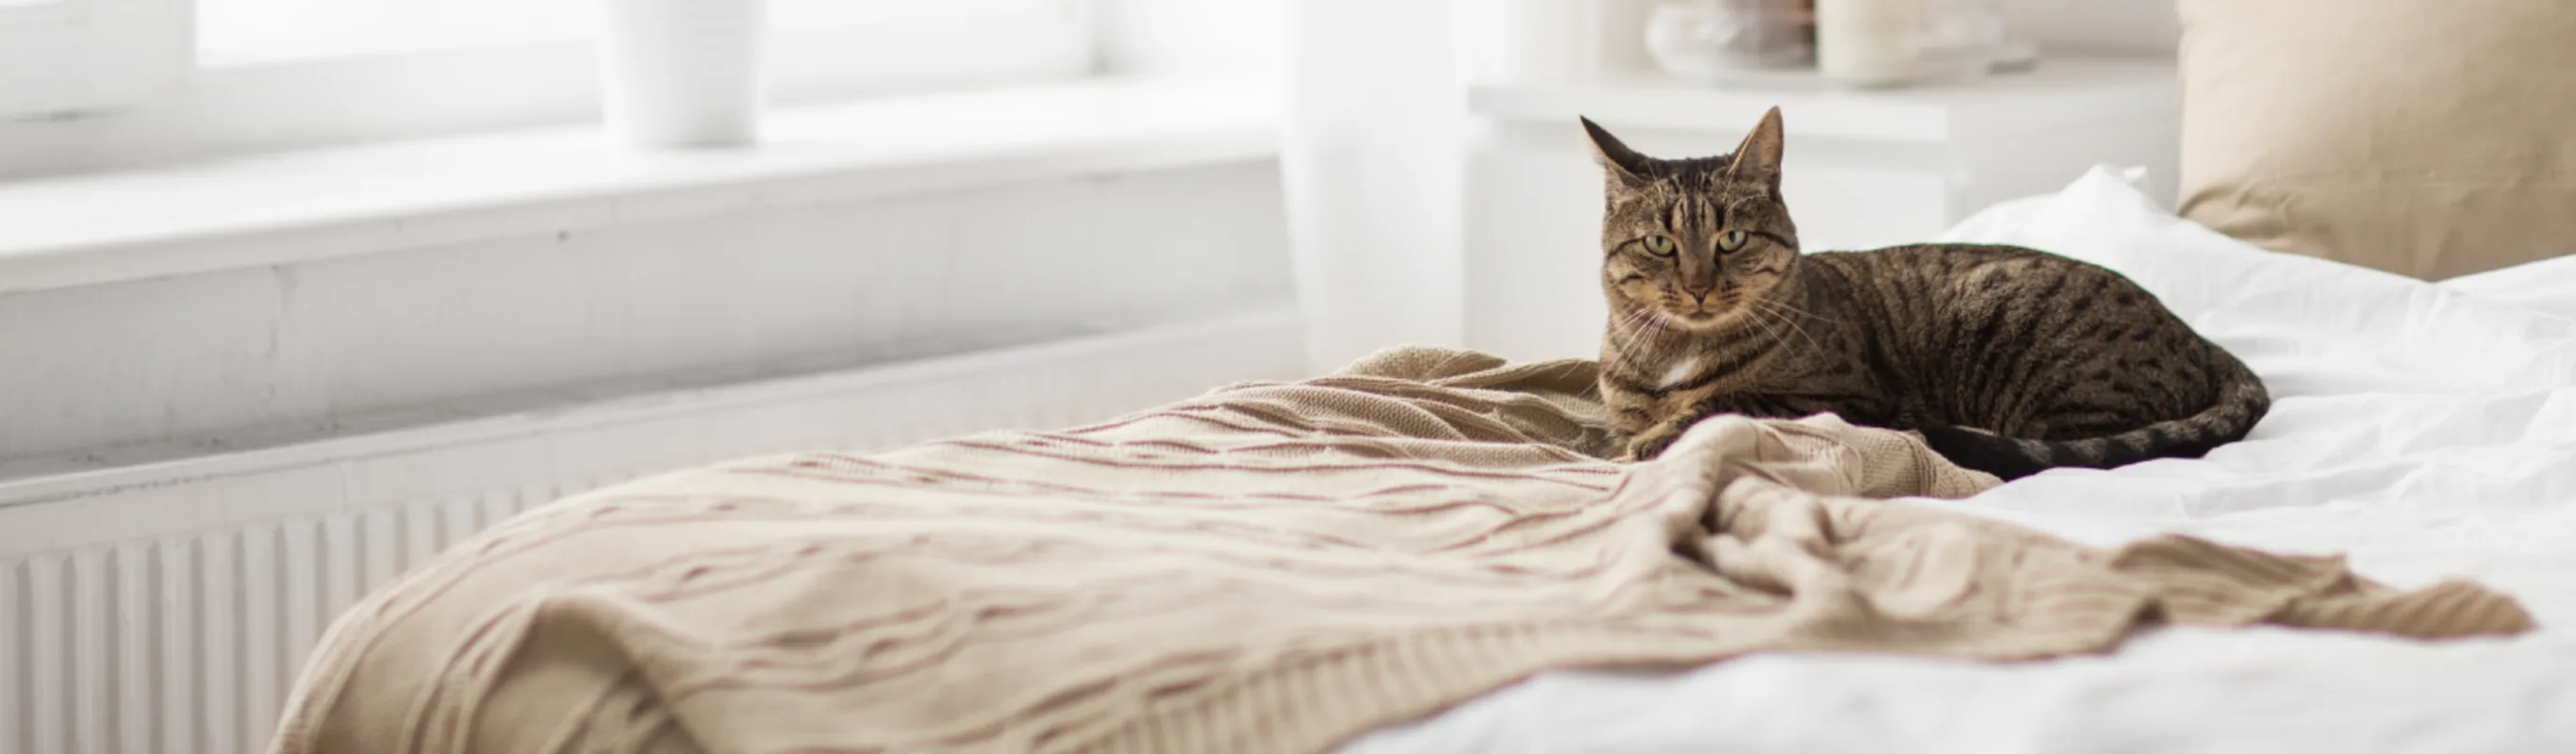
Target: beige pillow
2425,137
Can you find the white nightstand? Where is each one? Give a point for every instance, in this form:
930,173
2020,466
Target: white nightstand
1864,169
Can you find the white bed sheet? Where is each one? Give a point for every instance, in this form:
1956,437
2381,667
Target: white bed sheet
2426,430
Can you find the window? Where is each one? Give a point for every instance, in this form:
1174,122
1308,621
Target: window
245,32
119,81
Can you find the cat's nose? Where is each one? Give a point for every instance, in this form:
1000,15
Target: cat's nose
1700,291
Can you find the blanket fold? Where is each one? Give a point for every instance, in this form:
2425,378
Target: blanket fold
1270,567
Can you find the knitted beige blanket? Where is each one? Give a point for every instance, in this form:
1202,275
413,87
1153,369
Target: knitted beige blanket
1269,568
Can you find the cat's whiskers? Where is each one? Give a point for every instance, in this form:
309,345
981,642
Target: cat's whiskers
1635,317
1764,308
1642,328
1753,314
1795,309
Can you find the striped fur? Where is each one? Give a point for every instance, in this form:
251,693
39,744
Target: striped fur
2008,360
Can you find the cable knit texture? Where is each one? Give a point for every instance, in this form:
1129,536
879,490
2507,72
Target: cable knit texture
1268,568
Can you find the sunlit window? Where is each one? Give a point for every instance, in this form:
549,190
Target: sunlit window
233,32
171,79
239,32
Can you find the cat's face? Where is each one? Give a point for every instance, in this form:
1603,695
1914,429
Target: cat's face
1693,244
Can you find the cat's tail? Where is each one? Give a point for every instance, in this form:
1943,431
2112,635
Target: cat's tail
2242,401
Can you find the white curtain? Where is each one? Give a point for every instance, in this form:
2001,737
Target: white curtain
1372,165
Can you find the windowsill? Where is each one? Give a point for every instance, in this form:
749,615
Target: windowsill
60,232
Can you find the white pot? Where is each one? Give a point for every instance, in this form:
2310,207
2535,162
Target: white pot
1543,42
1870,42
681,73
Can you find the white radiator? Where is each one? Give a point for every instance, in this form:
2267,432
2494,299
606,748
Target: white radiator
168,607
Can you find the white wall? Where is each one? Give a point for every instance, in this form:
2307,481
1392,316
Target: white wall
296,349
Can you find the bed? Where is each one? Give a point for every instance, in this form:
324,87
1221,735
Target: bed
2425,430
2419,440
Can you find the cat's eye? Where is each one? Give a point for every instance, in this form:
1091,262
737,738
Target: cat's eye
1660,245
1730,240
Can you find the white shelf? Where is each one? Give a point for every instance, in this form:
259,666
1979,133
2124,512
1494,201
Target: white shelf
2059,93
273,209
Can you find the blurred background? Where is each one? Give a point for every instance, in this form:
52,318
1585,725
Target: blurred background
295,292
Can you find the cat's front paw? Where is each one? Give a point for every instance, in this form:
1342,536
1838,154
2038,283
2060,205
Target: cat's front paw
1650,443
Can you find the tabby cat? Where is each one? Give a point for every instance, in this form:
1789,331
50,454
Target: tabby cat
2006,359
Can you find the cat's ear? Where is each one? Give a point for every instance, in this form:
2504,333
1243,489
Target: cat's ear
1759,156
1625,166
